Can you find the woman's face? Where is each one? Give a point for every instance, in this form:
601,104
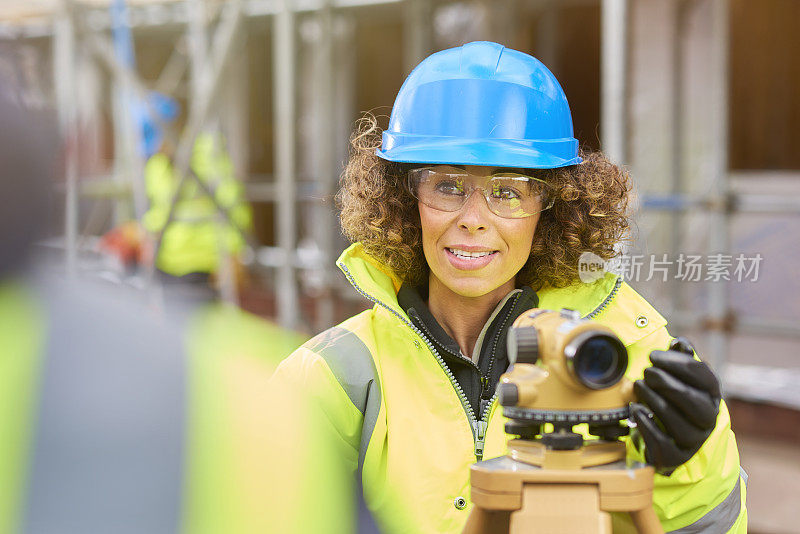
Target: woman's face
473,252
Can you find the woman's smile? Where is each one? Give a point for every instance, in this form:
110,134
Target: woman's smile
468,258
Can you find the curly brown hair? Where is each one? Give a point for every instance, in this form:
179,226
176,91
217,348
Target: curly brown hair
590,213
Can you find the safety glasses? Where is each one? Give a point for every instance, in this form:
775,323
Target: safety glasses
508,194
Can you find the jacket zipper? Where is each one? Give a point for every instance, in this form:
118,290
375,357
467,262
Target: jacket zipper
483,425
478,427
484,378
594,313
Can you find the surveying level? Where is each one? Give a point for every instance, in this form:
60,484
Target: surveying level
565,371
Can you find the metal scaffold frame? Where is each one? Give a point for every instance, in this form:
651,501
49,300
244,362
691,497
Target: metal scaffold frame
207,72
77,30
284,58
722,201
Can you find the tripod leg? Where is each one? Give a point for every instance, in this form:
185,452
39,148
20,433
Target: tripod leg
646,521
560,509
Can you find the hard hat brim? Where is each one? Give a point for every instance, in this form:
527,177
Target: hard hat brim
532,154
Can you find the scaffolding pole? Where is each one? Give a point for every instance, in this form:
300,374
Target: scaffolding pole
613,83
418,37
198,50
284,57
719,237
680,8
735,203
547,34
324,218
64,51
744,325
128,161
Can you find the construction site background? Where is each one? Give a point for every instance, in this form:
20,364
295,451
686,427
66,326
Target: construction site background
698,98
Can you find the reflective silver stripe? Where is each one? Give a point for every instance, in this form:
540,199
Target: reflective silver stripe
351,363
721,518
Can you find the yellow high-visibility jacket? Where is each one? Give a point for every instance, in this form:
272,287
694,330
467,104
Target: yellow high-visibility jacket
402,421
196,239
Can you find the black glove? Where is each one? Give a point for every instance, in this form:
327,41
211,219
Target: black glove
684,397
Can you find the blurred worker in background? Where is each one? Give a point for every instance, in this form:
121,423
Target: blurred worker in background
199,237
116,419
205,233
474,206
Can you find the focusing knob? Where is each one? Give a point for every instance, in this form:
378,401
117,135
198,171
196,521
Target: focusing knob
523,345
508,394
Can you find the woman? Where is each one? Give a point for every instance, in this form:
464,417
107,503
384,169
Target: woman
474,207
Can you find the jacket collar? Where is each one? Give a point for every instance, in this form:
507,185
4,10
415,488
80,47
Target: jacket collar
587,299
371,278
377,282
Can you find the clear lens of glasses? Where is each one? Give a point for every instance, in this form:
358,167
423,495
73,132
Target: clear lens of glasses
508,194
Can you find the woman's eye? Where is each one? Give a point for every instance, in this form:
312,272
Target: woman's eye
505,193
449,187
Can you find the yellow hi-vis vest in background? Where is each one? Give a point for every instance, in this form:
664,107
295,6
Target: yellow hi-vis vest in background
197,238
401,420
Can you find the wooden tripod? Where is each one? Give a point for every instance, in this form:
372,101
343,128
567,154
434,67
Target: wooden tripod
536,489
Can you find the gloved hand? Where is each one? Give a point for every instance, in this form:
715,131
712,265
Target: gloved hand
679,399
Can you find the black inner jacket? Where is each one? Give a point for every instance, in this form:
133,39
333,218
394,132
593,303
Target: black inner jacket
478,381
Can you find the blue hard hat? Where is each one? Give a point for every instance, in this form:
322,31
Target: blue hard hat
481,104
162,109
